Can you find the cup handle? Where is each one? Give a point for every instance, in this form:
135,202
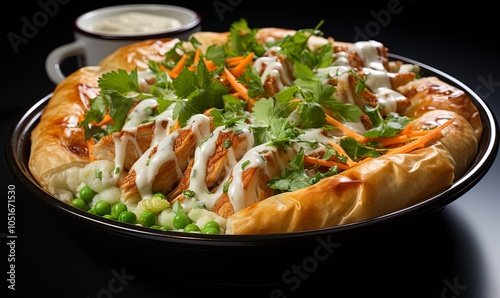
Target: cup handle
58,55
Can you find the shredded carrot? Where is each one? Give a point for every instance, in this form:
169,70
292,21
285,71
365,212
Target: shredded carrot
105,120
388,141
407,130
170,72
418,133
211,66
197,56
176,125
174,72
404,136
347,130
90,145
240,67
326,163
180,64
81,118
420,142
238,87
233,61
342,152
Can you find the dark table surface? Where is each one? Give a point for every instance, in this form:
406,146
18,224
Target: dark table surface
453,253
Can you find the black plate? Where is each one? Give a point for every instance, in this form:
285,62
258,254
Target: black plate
242,253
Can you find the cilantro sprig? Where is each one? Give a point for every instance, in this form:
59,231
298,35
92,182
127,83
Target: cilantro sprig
242,40
296,177
119,91
388,127
269,126
196,92
296,48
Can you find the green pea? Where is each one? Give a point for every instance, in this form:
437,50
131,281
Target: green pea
160,195
181,220
87,194
147,218
165,228
156,227
128,217
211,231
191,228
212,224
117,209
102,207
108,216
80,204
92,210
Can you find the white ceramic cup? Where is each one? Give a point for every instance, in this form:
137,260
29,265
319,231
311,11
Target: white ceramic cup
91,45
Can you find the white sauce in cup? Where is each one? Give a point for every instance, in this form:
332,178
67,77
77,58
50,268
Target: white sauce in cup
135,22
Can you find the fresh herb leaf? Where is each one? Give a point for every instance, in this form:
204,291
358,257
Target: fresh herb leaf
295,47
120,81
389,127
251,79
241,40
357,150
269,126
197,92
119,91
295,177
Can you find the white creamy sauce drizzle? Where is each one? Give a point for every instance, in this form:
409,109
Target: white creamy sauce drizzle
237,195
144,77
135,22
197,180
340,59
335,70
199,171
147,167
377,78
140,113
367,50
121,151
343,80
380,84
270,65
314,134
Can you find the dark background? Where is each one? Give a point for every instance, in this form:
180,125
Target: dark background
453,253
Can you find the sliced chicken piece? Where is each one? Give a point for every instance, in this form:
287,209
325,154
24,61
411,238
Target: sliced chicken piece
248,184
160,168
126,146
381,90
230,146
363,54
399,79
275,70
